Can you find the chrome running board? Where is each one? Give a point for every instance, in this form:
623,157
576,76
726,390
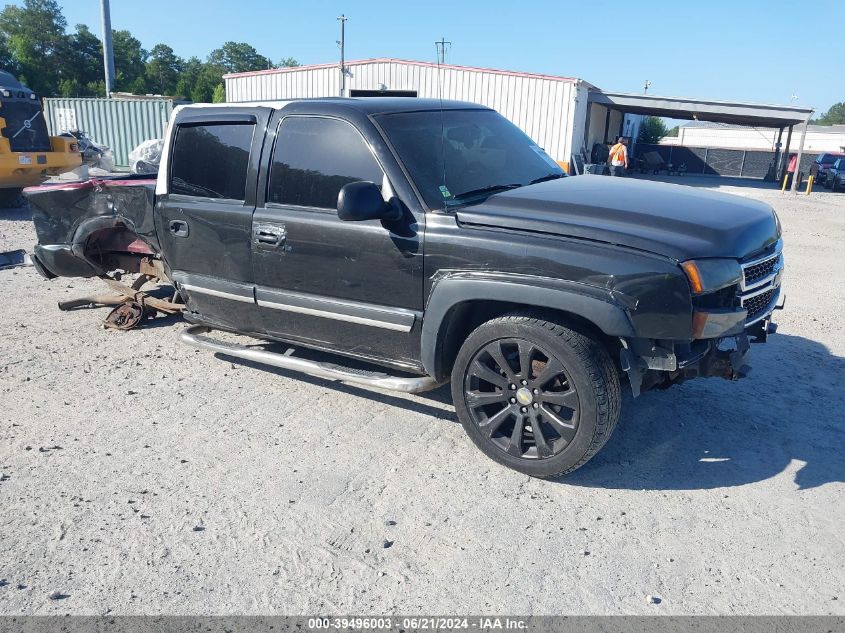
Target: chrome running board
193,336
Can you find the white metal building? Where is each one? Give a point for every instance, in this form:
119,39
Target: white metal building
563,115
820,138
551,110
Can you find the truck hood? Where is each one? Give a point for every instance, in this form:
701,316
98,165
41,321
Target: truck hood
671,220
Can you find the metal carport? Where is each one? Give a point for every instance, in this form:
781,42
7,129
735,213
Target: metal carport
737,113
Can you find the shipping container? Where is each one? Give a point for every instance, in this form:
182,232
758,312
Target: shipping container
121,124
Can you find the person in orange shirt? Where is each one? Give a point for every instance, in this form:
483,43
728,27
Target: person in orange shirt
618,157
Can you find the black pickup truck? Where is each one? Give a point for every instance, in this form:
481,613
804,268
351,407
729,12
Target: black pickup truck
436,240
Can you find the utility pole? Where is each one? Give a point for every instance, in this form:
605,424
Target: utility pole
646,86
342,43
442,47
108,52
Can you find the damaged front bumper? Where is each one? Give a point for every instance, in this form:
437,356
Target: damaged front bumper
652,363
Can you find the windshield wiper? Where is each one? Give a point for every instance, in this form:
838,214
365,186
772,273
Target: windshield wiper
545,178
491,189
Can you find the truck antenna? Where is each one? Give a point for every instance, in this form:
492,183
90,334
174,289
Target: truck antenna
440,48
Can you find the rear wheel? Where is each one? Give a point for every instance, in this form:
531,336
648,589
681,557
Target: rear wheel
535,395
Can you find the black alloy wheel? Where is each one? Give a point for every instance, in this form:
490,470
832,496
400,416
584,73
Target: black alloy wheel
522,398
534,394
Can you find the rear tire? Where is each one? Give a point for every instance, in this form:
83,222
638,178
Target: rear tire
535,395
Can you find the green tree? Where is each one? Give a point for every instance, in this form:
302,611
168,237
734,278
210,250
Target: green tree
163,68
80,63
7,60
238,57
652,129
673,132
209,78
189,77
129,63
35,38
70,88
139,86
835,115
35,47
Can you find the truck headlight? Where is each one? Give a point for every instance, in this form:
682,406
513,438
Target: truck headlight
713,285
709,275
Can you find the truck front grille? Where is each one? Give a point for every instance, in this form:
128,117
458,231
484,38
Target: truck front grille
756,305
755,272
760,284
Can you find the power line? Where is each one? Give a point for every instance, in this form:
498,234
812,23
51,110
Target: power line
442,47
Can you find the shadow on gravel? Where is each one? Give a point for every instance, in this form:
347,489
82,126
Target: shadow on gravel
707,433
20,214
713,433
412,403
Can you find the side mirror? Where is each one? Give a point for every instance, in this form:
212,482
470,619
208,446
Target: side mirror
362,200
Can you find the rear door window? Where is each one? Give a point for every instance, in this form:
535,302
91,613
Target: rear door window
210,160
314,158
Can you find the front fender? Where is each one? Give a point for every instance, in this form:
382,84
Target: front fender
606,309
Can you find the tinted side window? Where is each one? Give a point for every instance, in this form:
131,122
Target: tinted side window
210,160
314,158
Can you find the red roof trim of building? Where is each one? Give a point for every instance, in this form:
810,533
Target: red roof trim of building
387,60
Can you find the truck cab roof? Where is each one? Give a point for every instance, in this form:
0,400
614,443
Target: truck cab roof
366,105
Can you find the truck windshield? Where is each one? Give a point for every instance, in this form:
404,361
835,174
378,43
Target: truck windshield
458,157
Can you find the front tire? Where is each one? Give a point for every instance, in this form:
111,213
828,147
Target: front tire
535,395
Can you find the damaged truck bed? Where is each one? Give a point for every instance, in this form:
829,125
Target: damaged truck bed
88,228
102,227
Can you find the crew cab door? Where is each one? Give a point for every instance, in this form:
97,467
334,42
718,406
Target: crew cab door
204,220
351,287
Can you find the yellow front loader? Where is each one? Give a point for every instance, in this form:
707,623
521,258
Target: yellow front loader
28,154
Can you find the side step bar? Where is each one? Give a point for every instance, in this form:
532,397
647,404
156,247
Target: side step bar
193,336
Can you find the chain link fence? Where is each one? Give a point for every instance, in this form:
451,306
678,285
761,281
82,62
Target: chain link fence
717,161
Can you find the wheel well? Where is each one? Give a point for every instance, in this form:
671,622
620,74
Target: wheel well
116,247
464,317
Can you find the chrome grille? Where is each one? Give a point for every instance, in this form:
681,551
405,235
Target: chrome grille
760,284
755,272
757,304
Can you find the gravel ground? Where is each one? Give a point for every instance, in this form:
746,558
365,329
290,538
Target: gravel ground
140,476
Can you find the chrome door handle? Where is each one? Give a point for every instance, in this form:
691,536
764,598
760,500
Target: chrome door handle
269,235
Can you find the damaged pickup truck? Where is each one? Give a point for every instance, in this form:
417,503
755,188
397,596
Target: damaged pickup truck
437,241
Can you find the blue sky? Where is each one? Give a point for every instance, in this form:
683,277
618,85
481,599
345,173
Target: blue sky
753,50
